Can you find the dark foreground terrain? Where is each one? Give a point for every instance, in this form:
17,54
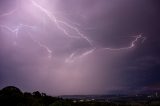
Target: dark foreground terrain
12,96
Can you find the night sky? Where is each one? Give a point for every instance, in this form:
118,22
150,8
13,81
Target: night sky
65,47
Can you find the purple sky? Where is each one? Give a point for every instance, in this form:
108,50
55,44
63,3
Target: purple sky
79,46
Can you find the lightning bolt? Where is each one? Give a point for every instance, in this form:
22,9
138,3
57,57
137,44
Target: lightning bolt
71,58
17,29
63,26
133,43
74,56
45,47
59,24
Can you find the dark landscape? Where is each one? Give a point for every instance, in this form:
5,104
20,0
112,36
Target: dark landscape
12,96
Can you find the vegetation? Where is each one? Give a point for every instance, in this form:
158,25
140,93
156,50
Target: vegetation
12,96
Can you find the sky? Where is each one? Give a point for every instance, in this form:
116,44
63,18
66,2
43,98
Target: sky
69,47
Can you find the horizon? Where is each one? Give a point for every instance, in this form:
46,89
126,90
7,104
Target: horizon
74,96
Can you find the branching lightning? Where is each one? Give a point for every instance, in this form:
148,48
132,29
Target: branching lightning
16,31
74,57
133,43
66,29
58,23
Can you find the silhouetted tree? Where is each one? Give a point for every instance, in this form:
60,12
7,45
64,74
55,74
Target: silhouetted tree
10,96
37,94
